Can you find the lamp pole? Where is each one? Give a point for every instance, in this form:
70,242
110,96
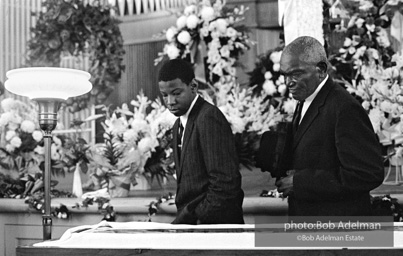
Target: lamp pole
47,116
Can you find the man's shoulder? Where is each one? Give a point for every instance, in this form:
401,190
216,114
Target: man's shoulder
340,95
207,107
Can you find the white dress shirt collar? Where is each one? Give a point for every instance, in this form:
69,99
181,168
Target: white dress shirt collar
184,118
311,97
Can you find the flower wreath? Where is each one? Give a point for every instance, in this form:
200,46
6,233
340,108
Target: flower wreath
68,27
218,26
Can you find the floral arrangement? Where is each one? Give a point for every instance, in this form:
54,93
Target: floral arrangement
386,205
371,70
366,38
70,28
154,205
218,27
136,143
265,79
22,150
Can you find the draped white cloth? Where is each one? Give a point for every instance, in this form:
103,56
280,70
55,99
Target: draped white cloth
301,18
151,235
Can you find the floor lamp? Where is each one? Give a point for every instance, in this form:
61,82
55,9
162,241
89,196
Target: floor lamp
49,87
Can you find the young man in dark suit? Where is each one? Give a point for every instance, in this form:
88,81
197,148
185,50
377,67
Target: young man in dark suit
207,169
336,157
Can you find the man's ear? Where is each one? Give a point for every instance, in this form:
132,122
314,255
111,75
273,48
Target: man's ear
194,85
322,67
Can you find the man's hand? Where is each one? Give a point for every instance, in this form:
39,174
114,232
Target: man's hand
285,185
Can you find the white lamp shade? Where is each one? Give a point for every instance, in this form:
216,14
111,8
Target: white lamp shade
48,82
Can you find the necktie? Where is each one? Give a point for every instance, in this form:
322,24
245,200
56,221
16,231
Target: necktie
297,115
180,134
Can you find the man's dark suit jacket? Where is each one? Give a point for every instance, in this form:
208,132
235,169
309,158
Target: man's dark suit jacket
208,178
337,157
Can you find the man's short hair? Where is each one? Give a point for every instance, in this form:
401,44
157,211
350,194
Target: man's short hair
176,68
309,50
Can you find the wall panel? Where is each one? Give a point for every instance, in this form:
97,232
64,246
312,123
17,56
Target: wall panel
140,73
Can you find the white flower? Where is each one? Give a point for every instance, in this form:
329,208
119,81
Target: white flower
217,70
269,87
365,5
370,28
54,152
7,104
232,71
37,135
276,67
222,25
207,13
204,31
359,22
5,118
130,136
172,51
375,115
374,53
383,38
237,124
171,33
347,42
181,22
276,56
140,125
10,135
393,2
40,150
268,75
351,50
282,88
386,106
13,126
231,32
16,142
223,64
10,148
57,141
289,106
360,52
115,125
28,126
214,45
365,104
192,21
215,57
231,20
224,51
215,34
184,37
190,9
147,144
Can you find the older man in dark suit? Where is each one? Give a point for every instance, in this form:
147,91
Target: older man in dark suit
336,157
208,178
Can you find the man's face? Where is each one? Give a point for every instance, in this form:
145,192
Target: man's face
300,77
177,95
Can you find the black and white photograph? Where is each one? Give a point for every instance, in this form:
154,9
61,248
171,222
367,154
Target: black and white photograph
201,127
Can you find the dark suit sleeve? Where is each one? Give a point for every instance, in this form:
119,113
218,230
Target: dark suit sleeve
359,155
221,162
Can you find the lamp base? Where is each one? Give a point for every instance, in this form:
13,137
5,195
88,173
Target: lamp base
47,227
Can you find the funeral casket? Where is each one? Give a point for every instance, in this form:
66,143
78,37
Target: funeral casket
150,238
